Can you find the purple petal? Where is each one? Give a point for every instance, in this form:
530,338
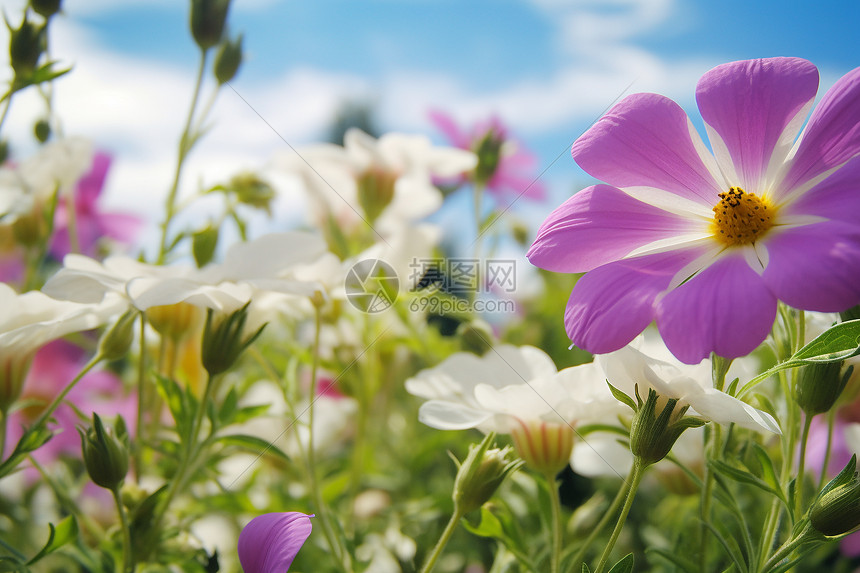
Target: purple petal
751,105
726,309
270,542
90,185
834,198
446,125
815,267
832,135
610,305
646,140
598,225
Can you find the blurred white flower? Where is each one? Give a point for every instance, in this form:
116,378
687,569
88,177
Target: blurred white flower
29,321
385,182
516,390
635,365
265,264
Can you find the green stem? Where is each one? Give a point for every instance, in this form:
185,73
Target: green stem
43,418
635,477
604,521
801,465
4,425
443,541
322,511
127,558
789,546
141,401
828,450
185,144
555,504
6,108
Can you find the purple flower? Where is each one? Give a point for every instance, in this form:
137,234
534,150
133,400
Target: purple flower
507,166
707,244
270,542
91,223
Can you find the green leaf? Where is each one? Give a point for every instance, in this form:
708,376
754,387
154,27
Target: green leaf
623,566
744,476
767,470
622,397
489,526
684,564
839,342
729,544
585,568
182,405
59,535
253,444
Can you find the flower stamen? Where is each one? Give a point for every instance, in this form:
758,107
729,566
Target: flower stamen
740,217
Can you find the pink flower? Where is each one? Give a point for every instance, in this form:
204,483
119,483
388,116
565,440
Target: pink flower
707,244
91,223
504,163
53,367
270,542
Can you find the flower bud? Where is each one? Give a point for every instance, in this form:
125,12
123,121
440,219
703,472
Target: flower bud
174,321
836,510
375,192
45,8
819,386
42,130
544,446
475,336
489,152
251,190
203,244
652,435
13,373
222,342
105,454
207,21
481,474
228,60
26,46
116,341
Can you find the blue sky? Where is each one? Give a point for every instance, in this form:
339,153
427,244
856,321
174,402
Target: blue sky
546,67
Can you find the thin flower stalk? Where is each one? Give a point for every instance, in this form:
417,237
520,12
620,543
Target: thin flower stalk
635,478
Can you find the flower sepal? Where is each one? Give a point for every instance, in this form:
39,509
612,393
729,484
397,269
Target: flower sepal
481,474
836,510
653,434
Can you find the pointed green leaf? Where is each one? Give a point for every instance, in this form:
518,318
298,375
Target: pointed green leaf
253,444
837,343
59,535
621,396
623,566
683,564
744,476
585,568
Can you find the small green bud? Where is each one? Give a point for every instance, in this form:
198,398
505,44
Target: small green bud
836,510
489,152
222,342
375,192
203,244
652,435
476,336
251,190
481,474
45,8
26,46
207,21
116,341
228,60
544,446
42,130
105,453
819,386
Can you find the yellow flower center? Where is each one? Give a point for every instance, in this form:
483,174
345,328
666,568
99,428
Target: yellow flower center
740,217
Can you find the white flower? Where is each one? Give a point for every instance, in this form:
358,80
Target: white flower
635,364
385,182
265,264
29,321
